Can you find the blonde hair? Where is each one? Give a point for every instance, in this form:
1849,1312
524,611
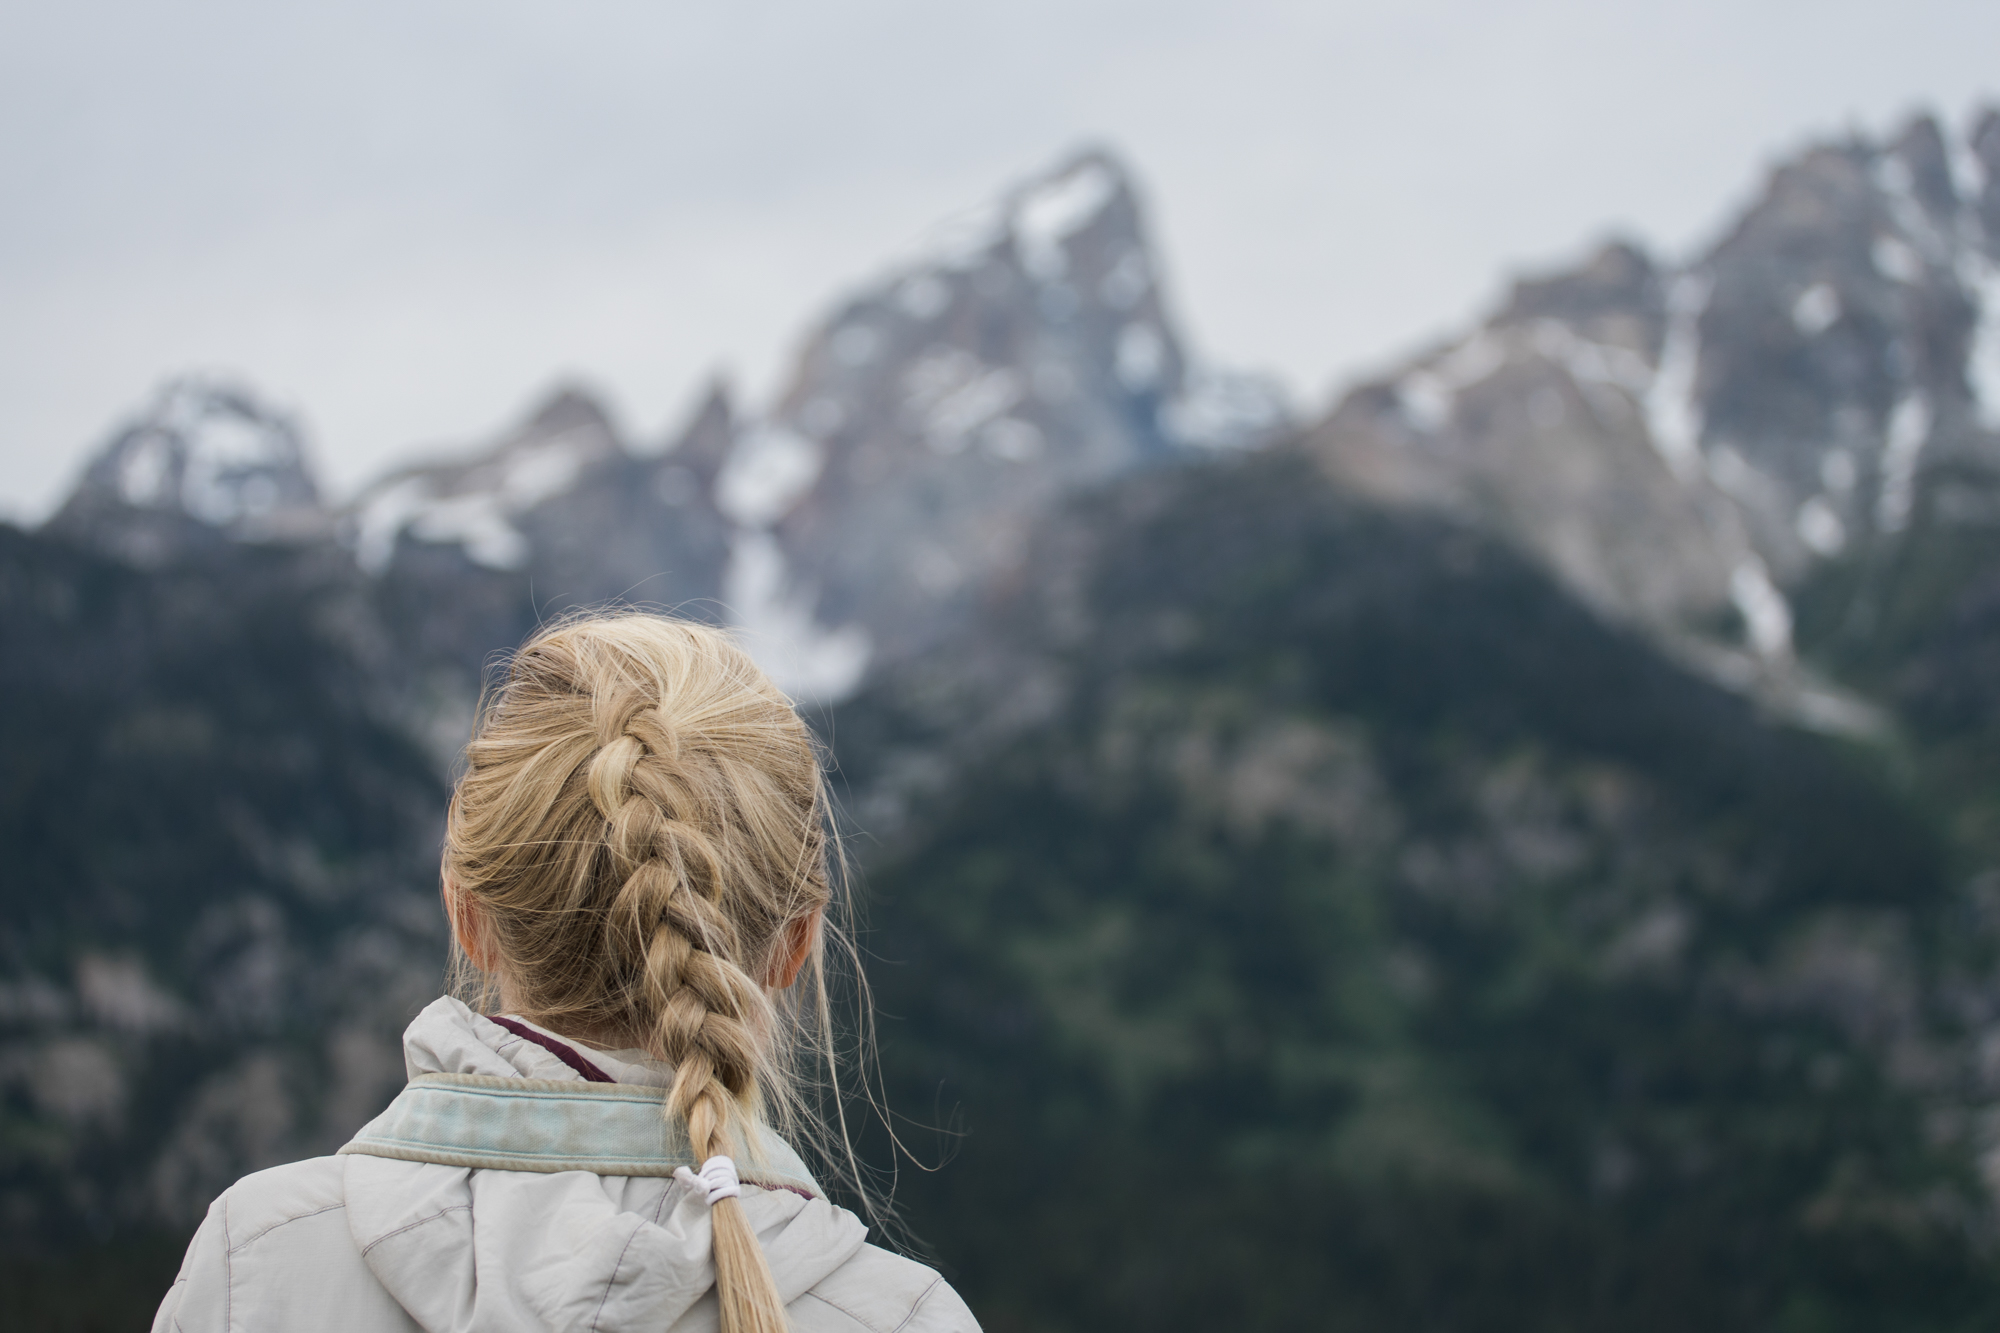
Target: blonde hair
641,825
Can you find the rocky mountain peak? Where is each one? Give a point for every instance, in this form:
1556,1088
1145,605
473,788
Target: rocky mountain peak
205,459
553,514
1543,425
1027,352
1847,335
702,447
1984,146
473,503
567,410
1616,297
1926,158
1683,444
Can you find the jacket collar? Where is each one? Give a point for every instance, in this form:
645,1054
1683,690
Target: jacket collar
483,1097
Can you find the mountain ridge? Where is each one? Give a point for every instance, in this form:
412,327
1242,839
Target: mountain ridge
1444,770
1623,453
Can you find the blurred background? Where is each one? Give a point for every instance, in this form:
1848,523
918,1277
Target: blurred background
1406,599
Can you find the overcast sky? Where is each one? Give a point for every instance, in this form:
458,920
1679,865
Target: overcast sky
405,220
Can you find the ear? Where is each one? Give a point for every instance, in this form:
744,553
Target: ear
468,926
796,947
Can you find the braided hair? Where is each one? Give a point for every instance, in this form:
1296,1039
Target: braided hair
640,828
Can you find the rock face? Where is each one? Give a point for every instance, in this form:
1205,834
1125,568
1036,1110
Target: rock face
469,556
942,409
205,461
563,500
1684,446
1536,426
1841,332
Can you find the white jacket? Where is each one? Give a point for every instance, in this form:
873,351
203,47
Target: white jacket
503,1191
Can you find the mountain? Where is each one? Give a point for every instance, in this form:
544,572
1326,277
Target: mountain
205,462
1520,848
1347,926
1684,446
1398,849
1029,354
943,408
465,558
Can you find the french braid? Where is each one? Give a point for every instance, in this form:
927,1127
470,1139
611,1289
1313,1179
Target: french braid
641,826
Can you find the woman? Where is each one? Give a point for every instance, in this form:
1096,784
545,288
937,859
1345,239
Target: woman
635,866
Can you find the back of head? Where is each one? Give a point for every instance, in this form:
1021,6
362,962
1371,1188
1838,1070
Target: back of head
640,830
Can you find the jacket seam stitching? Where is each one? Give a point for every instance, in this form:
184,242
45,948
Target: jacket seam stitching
918,1304
252,1240
598,1313
228,1273
412,1226
836,1305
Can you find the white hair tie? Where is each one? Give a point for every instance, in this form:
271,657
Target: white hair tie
717,1179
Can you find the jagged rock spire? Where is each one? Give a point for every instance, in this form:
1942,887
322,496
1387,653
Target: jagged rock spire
1682,445
206,459
703,445
1028,352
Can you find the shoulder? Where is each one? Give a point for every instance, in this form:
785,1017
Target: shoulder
266,1201
275,1252
884,1293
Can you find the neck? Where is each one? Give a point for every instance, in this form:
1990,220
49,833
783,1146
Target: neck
602,1036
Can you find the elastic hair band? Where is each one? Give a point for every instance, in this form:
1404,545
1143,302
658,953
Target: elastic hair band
717,1179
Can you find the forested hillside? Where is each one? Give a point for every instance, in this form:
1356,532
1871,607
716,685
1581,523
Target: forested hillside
1356,930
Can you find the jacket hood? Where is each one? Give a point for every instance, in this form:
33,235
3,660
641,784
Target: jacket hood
469,1248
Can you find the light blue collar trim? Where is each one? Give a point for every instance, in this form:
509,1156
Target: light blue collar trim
525,1124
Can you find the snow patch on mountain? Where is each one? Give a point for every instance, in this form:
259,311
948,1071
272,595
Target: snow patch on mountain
1051,211
774,616
1895,260
950,394
205,453
961,241
1816,310
1673,416
1819,527
474,505
1429,393
1909,427
235,457
1036,220
1588,361
1767,616
374,524
1893,177
476,522
771,469
1222,409
1981,278
1141,356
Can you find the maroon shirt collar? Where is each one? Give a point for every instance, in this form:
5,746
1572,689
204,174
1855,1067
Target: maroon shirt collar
565,1053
